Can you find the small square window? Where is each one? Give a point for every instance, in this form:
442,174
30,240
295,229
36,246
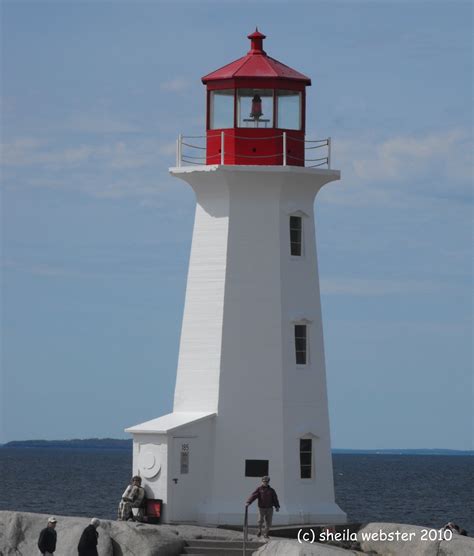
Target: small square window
256,467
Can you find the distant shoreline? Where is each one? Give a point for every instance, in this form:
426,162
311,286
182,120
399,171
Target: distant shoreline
126,444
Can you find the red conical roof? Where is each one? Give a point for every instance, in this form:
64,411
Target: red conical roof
256,64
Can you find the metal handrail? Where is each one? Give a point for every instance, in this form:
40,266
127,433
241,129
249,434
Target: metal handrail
308,144
246,531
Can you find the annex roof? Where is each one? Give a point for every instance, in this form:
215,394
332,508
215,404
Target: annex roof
257,64
170,422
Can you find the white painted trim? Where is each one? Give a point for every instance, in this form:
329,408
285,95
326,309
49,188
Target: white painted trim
301,320
298,213
309,435
169,422
330,175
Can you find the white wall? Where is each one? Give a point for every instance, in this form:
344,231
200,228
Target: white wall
150,461
244,292
197,382
190,493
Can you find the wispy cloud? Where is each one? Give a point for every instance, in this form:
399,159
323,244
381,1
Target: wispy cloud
382,171
115,155
109,170
393,159
176,85
101,123
28,151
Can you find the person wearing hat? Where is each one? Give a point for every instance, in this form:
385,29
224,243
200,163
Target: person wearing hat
47,538
90,537
267,498
133,497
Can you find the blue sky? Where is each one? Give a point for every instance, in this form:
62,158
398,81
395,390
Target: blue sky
96,235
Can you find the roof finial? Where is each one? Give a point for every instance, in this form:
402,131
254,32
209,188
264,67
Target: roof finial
256,42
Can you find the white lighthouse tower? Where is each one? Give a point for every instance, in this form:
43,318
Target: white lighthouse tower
250,397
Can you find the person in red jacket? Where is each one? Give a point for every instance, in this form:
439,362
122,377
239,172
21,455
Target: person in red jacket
267,498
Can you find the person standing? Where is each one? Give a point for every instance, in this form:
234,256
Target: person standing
90,537
47,538
133,497
267,499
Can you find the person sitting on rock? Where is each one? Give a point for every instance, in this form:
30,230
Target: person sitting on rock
132,498
267,498
89,539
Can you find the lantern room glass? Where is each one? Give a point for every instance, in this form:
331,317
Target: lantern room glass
255,108
222,109
288,110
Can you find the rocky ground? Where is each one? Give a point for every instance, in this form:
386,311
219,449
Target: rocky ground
19,533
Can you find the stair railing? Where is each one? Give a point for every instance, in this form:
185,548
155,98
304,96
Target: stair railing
246,531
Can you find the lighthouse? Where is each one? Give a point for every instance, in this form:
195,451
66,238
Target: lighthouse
250,396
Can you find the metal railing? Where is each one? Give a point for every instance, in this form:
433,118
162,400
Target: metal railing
246,531
187,152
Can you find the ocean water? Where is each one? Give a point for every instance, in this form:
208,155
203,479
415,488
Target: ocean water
423,490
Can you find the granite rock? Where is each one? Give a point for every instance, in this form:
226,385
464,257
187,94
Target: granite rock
294,548
19,532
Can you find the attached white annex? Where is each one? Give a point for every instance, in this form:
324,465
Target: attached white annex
251,396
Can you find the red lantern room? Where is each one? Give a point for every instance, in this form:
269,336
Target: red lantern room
256,111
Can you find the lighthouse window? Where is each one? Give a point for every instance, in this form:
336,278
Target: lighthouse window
222,109
301,344
306,458
296,235
288,110
255,108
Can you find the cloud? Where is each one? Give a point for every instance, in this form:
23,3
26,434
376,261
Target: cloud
107,170
30,152
395,158
16,153
386,170
371,287
177,85
101,123
115,155
168,149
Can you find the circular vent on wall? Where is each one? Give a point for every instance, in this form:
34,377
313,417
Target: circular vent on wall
149,464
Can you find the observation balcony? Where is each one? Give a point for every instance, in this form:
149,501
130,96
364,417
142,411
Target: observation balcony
234,147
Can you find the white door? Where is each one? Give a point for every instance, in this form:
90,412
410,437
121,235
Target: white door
185,482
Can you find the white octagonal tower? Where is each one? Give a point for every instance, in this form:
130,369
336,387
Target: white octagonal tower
250,396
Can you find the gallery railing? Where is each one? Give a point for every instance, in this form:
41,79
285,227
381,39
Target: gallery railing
189,151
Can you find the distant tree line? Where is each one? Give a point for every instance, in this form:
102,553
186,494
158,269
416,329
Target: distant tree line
89,443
